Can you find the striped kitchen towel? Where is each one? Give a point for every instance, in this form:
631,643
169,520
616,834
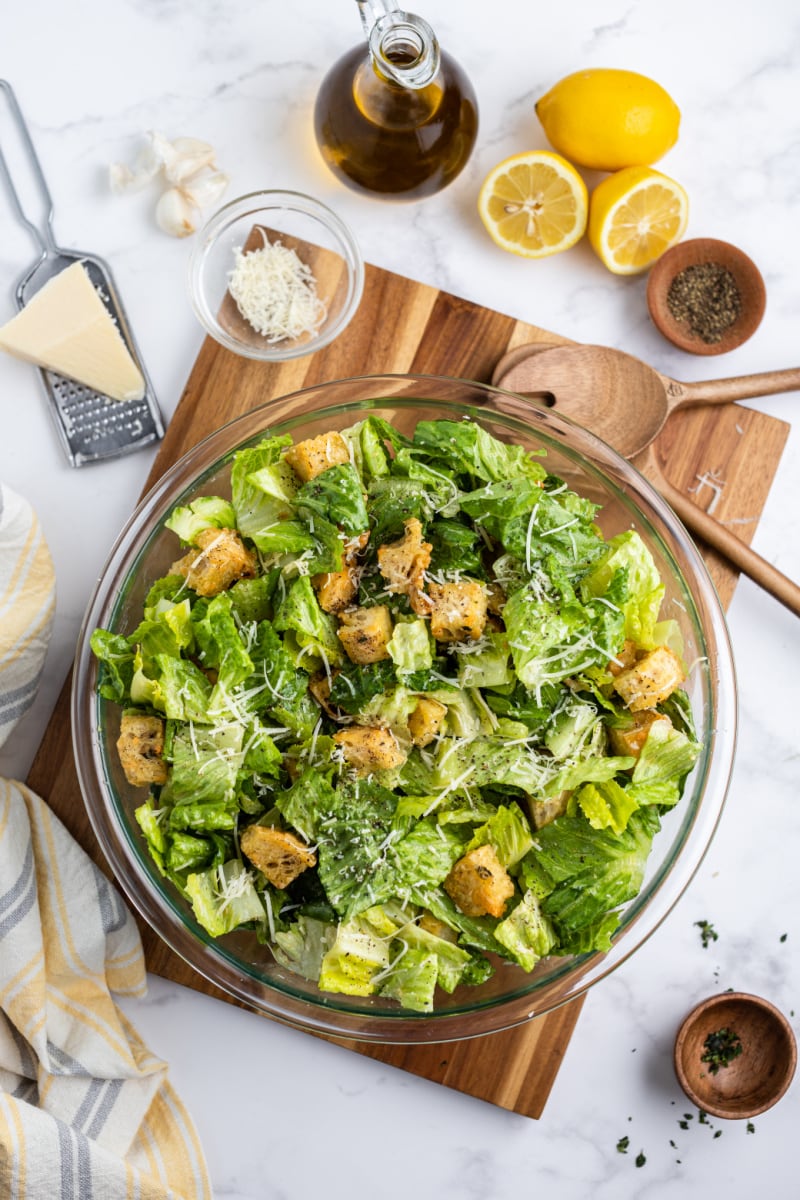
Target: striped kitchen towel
27,604
86,1111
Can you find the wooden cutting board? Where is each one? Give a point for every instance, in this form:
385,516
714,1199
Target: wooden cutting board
404,326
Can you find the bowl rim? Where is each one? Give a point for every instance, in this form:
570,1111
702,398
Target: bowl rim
402,1027
261,201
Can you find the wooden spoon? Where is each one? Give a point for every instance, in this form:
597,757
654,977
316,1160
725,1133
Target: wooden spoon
618,397
540,389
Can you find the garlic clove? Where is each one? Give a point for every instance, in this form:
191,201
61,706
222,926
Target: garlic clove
189,157
205,189
160,150
175,214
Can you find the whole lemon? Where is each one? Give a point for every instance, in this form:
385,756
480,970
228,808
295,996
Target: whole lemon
607,119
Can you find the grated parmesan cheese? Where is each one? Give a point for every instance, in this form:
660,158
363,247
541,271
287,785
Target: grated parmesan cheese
276,292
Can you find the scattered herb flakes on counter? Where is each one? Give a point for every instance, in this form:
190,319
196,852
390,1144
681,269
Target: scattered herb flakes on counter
783,937
399,706
640,1159
622,1145
708,933
751,1127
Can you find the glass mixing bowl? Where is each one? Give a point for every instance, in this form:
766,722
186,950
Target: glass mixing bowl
145,550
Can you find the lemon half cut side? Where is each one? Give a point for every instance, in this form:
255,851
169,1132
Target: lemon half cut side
534,204
634,216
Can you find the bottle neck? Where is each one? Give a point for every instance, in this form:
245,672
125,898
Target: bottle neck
404,50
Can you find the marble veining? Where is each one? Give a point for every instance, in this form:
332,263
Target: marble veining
283,1116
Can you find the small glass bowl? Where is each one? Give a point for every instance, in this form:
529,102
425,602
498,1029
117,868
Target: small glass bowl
320,239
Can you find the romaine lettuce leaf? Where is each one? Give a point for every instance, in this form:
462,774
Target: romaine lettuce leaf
412,979
645,591
206,512
508,830
466,448
411,647
224,897
336,495
315,630
527,932
302,947
356,956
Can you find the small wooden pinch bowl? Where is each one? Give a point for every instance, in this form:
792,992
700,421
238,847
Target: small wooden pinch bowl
756,1079
695,252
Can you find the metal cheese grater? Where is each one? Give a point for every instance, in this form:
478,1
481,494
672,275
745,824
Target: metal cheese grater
91,426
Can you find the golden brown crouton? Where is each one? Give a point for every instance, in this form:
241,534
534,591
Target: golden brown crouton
631,740
140,746
336,589
544,811
320,688
458,611
365,633
403,564
369,749
432,924
651,679
310,458
278,855
220,558
625,658
495,599
426,720
479,884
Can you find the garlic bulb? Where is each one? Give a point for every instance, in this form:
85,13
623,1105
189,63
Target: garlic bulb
175,214
188,167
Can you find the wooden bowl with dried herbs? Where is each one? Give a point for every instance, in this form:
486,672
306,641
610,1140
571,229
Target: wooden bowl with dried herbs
735,1055
706,296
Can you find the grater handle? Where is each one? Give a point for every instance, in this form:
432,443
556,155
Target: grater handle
43,234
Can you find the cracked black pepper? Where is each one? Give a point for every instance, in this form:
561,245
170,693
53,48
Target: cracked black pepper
706,297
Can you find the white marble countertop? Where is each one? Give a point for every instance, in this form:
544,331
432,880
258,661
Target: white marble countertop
281,1114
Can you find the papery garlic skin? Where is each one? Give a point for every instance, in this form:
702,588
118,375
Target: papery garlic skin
204,190
175,214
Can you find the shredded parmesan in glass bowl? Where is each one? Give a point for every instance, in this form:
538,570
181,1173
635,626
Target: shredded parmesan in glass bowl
275,275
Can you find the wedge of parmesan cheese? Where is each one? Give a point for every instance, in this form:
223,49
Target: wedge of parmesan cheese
67,329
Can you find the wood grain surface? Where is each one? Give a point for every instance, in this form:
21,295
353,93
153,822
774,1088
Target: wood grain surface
404,326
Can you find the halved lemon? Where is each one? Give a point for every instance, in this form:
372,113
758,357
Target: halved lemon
534,204
634,216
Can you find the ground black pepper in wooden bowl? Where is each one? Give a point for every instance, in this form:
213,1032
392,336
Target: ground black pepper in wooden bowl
705,296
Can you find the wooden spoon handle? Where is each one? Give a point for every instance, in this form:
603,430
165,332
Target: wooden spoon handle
741,387
739,553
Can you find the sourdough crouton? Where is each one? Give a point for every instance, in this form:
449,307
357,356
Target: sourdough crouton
495,599
310,458
365,633
403,564
458,611
220,558
479,885
140,746
336,589
651,679
544,811
631,740
367,749
278,855
624,659
432,924
426,720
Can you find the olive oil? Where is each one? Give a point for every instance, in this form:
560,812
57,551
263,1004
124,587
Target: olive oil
390,123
